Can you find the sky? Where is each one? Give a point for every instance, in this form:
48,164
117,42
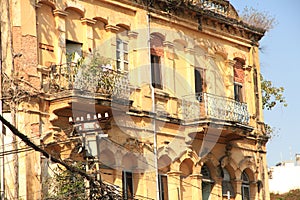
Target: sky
280,64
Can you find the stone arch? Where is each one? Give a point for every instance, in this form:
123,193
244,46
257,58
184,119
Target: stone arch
107,158
210,157
164,163
186,167
249,165
213,164
250,182
129,162
231,171
250,173
230,165
227,161
74,5
166,150
189,154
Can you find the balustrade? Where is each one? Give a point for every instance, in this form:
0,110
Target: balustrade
204,105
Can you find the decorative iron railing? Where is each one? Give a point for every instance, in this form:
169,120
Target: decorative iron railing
99,80
204,105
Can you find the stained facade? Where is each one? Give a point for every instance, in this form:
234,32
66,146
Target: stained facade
161,94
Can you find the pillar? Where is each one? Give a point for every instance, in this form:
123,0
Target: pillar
87,46
238,195
110,51
60,40
197,186
174,185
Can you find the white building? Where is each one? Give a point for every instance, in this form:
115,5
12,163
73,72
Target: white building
285,176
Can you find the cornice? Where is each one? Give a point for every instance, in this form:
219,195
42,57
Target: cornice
198,17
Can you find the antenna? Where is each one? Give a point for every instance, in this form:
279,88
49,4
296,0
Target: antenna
291,157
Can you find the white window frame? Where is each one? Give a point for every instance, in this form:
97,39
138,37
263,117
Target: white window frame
121,51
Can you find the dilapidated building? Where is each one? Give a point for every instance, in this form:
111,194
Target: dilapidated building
164,96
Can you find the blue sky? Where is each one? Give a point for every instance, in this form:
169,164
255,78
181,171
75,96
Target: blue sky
280,64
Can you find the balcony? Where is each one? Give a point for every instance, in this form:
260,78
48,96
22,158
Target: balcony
98,81
208,106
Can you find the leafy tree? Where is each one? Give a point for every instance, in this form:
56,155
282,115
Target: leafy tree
271,95
66,184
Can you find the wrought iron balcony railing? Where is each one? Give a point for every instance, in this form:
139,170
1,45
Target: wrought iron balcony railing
204,105
99,80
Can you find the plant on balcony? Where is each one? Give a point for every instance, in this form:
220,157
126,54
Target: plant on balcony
95,74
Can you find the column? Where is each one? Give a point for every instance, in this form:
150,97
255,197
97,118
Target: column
197,186
190,56
60,40
238,195
132,50
87,46
217,189
174,185
169,66
110,51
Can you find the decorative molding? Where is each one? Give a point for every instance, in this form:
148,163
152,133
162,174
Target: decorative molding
60,13
47,2
168,44
133,34
88,21
112,28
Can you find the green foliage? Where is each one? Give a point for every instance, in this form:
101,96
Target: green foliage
291,195
259,19
67,185
271,95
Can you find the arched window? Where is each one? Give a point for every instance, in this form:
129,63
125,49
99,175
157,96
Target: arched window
245,186
206,182
227,189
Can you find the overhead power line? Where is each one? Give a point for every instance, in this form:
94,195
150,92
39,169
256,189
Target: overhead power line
103,189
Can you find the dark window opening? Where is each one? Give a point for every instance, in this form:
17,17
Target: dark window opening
238,94
127,182
207,182
227,188
245,186
163,187
73,51
156,80
199,83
